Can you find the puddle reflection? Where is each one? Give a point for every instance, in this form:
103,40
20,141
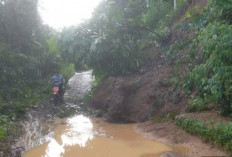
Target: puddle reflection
78,136
78,131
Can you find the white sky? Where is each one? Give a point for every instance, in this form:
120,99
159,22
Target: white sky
63,13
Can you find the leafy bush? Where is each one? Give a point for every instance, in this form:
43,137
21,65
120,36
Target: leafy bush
28,57
212,78
95,85
221,10
3,126
67,70
115,55
197,105
173,50
115,36
157,11
221,134
2,133
112,41
193,126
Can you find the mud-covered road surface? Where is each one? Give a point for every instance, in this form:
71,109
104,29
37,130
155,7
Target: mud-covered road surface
39,124
46,135
169,133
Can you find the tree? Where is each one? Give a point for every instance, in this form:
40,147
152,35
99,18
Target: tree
175,5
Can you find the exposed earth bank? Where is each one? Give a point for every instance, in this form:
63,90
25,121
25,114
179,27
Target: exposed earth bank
138,97
169,133
153,92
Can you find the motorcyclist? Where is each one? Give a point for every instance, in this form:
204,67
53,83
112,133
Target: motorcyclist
57,81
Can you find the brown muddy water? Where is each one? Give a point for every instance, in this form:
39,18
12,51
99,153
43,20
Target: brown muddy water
80,136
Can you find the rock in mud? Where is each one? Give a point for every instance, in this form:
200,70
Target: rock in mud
170,154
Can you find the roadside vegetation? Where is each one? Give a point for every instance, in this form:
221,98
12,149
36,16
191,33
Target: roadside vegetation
202,56
217,134
110,43
114,42
206,54
30,53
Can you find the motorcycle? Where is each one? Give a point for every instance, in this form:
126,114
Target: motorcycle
57,95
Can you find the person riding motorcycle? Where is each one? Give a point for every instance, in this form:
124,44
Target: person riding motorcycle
57,81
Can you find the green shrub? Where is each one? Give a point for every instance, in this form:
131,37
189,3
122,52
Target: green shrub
173,50
67,70
193,126
4,122
158,120
2,133
87,97
95,85
171,116
221,10
115,55
157,11
212,78
221,134
197,104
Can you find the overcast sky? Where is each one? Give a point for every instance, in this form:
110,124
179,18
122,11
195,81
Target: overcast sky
64,13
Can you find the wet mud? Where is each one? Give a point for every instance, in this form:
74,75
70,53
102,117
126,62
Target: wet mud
79,136
46,135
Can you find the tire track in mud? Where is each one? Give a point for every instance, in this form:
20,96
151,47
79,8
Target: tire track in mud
38,125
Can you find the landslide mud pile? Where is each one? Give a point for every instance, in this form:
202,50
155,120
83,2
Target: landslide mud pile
152,92
138,97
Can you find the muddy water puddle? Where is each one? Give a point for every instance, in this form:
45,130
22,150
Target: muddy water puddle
80,137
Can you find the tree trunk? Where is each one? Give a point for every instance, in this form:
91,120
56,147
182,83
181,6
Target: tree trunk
147,1
175,5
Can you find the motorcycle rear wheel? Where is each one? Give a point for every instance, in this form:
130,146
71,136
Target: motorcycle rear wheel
56,99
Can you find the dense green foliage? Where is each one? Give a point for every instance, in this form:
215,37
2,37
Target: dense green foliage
112,41
115,47
29,56
212,78
220,134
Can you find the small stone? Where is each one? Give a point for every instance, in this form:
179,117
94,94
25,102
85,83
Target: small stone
169,154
